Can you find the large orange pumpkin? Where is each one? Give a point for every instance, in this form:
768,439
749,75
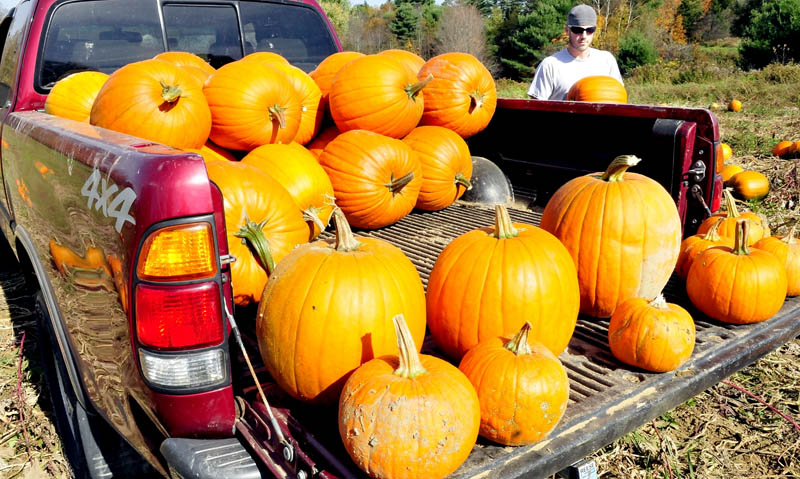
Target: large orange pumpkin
787,250
322,139
297,170
376,93
154,100
408,416
599,88
251,105
72,96
623,232
696,244
462,95
758,226
265,57
376,179
184,59
487,282
325,72
410,60
738,285
262,221
522,387
446,165
327,309
310,101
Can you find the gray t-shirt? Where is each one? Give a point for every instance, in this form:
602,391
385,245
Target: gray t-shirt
558,72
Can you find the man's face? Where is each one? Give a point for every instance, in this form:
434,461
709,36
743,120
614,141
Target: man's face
583,39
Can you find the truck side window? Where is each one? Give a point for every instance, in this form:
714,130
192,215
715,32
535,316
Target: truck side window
14,30
209,31
97,35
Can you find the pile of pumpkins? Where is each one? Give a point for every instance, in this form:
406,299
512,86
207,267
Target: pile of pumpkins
746,184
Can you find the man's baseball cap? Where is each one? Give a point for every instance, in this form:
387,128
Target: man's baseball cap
582,16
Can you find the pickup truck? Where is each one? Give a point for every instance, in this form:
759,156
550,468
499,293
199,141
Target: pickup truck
73,193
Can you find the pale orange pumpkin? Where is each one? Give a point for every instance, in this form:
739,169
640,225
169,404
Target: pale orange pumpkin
72,96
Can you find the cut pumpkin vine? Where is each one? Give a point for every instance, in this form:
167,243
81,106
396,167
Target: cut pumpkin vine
252,234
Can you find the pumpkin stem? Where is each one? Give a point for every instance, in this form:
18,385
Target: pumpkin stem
410,366
463,181
398,184
311,214
730,203
742,232
345,239
519,343
276,112
476,101
618,167
659,302
252,234
170,94
503,227
789,238
412,90
713,233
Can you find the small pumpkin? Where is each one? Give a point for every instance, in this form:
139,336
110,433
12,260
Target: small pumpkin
324,311
326,71
72,96
696,244
408,416
738,285
784,148
462,95
410,60
758,226
750,185
655,336
787,250
376,179
728,171
727,151
154,100
735,105
487,282
522,387
599,89
446,165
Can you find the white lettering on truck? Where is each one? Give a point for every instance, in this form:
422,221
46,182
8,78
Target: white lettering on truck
106,199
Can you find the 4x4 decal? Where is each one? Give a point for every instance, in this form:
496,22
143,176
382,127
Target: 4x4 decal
108,200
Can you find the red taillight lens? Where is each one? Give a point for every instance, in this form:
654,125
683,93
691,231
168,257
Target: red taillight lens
715,201
178,317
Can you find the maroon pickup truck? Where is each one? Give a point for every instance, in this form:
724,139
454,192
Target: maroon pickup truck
128,406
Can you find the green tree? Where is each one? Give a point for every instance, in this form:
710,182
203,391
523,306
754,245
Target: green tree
692,12
773,34
635,49
406,23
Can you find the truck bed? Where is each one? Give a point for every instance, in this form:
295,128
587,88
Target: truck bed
607,398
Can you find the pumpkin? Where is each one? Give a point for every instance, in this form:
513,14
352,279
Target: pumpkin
265,57
784,148
262,221
376,179
696,244
408,415
738,285
310,100
68,261
727,152
787,250
324,137
325,72
326,311
598,88
154,100
376,93
410,60
462,95
251,105
655,336
523,389
212,154
446,165
200,75
728,171
735,105
184,59
758,227
72,96
750,185
623,232
489,281
297,170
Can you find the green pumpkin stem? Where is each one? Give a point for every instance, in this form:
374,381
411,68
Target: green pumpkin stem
463,181
252,234
412,90
519,343
311,215
170,94
345,239
397,184
742,233
659,302
410,366
616,170
503,226
730,203
713,233
790,238
277,112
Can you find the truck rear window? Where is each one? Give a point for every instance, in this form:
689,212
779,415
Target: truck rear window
104,35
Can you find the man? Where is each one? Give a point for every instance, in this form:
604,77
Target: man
558,72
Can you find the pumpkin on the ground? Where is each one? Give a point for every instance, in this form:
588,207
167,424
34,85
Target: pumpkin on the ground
623,232
488,282
326,310
598,88
656,336
728,171
749,185
735,105
784,148
787,250
72,96
727,151
409,415
522,387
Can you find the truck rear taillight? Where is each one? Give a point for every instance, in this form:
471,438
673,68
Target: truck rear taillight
178,253
179,317
719,160
187,370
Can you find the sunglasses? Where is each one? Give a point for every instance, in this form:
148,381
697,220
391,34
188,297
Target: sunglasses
579,30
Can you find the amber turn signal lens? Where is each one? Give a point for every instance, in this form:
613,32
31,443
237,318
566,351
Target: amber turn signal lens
178,253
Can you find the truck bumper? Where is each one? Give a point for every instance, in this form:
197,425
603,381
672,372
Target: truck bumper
210,459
